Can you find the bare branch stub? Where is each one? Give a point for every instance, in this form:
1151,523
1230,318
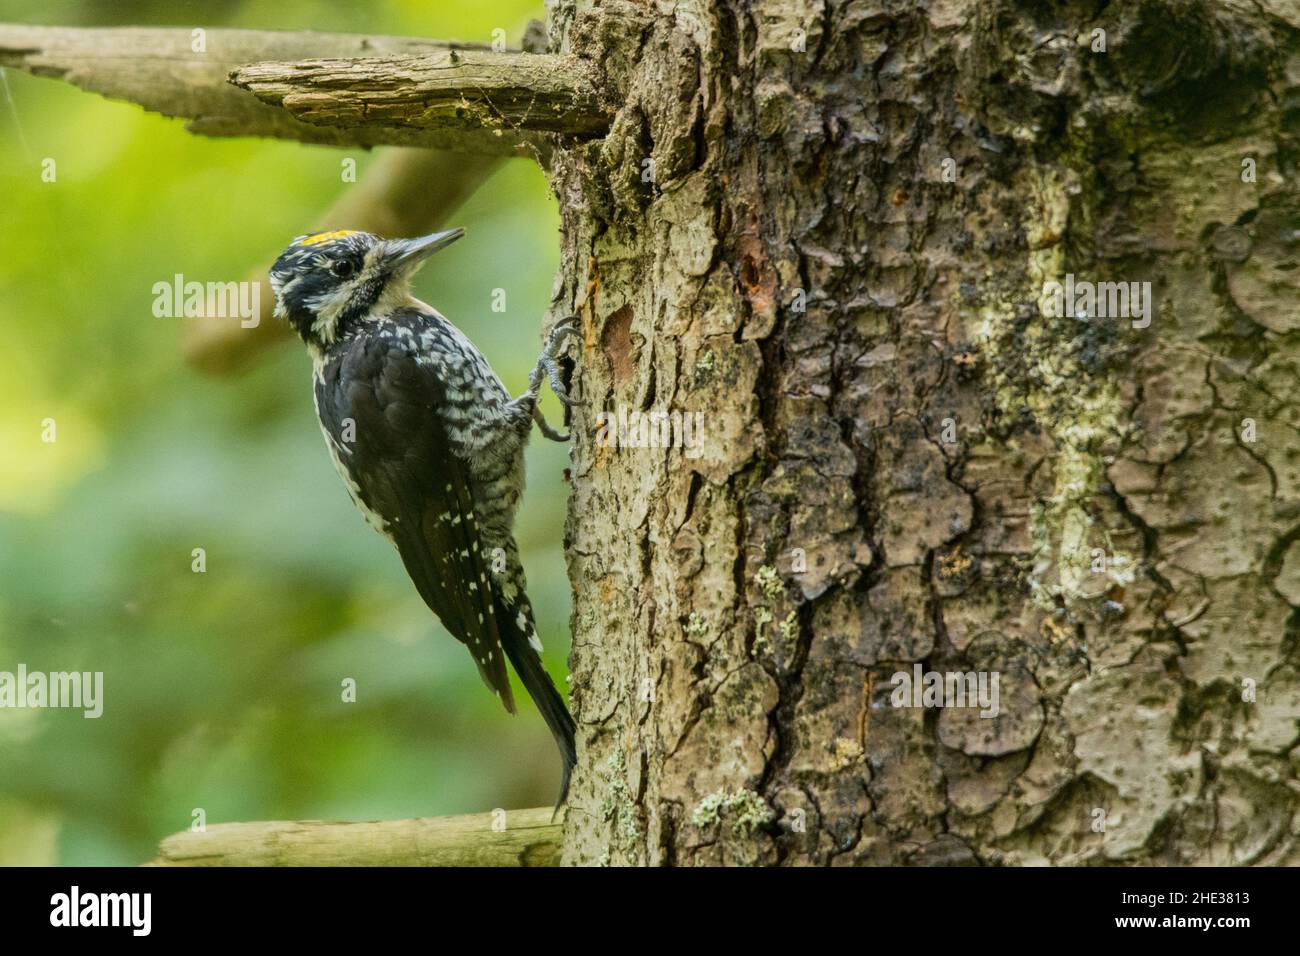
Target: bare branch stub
173,72
461,90
502,838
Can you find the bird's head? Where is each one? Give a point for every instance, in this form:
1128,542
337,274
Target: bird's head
326,283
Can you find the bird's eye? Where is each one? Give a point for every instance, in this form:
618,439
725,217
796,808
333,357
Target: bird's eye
342,268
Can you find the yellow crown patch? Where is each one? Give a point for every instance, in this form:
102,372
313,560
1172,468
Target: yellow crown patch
326,237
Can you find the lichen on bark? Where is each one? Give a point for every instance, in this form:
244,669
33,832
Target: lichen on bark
828,226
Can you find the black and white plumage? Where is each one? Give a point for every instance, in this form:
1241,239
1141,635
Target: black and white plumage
428,442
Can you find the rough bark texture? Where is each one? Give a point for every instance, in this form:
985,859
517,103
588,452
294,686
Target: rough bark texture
801,271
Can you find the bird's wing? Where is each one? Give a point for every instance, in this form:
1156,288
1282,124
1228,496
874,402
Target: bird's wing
405,474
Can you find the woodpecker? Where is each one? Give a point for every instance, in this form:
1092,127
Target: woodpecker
429,443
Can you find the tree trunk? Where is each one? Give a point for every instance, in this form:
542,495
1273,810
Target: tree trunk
830,228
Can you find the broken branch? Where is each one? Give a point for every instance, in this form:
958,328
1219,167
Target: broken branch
526,838
182,73
449,90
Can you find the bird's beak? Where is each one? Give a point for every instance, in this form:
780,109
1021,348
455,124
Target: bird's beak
405,255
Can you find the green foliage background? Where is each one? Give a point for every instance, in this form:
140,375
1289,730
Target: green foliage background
223,689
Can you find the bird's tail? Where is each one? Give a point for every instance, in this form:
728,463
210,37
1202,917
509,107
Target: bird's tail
519,637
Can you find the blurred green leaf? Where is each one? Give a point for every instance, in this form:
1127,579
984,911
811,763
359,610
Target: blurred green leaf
223,689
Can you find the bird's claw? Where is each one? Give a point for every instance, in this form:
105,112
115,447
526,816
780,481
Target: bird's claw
557,386
548,364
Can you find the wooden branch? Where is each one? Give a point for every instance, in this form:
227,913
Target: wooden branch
404,192
529,839
451,90
159,70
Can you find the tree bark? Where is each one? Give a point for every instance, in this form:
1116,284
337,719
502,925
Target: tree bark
828,227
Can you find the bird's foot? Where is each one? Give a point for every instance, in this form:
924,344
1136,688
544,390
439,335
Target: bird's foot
548,365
